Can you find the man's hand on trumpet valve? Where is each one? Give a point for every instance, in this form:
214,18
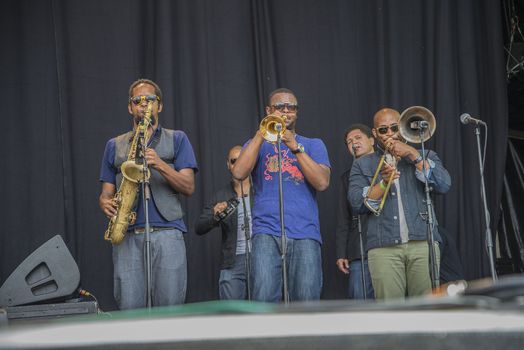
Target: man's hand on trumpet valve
289,139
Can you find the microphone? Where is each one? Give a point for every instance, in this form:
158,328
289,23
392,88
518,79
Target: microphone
465,118
230,208
419,124
278,127
354,148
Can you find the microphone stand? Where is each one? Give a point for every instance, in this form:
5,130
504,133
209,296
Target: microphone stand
283,241
362,272
489,239
433,269
145,200
247,233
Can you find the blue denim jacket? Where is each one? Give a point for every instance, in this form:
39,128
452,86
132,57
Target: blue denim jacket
384,230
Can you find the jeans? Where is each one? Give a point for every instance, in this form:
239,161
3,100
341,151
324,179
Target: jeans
169,269
304,269
356,288
232,282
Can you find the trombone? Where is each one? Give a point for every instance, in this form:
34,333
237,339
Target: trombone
378,211
416,125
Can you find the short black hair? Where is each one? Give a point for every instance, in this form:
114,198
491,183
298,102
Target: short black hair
362,127
158,91
279,91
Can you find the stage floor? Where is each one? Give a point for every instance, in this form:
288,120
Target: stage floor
444,323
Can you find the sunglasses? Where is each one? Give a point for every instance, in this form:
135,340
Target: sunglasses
139,99
281,106
232,160
384,129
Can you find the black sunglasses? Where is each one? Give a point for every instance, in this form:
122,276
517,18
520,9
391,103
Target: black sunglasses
232,160
292,107
139,99
384,129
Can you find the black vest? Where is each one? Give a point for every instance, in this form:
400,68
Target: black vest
164,197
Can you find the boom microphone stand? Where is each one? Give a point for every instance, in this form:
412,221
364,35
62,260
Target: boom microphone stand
465,118
283,241
489,239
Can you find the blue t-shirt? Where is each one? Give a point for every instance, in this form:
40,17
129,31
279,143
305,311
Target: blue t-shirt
184,158
300,204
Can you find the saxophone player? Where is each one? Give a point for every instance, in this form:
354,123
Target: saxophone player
172,164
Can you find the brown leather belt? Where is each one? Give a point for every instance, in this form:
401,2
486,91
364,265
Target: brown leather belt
139,230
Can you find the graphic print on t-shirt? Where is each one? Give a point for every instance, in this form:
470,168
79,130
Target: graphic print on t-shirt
290,171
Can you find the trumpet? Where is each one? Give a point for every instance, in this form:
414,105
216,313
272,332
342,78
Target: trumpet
271,126
416,125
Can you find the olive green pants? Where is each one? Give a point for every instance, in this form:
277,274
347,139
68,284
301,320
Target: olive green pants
401,270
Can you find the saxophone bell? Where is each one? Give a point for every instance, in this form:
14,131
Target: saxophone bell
133,171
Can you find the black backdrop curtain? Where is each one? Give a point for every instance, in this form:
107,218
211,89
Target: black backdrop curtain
66,67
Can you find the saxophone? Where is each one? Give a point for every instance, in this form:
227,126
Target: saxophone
128,190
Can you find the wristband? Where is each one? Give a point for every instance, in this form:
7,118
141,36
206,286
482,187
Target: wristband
418,160
382,185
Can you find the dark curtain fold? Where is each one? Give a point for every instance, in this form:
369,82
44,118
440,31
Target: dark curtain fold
511,224
67,65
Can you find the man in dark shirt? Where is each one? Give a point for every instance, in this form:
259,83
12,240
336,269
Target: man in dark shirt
226,209
350,236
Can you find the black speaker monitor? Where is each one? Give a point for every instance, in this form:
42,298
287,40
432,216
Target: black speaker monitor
50,272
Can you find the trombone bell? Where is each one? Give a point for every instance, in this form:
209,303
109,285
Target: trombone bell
417,124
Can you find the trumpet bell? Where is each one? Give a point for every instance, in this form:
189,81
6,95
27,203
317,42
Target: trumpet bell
417,124
271,126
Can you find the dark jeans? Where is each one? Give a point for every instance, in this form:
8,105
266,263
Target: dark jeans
356,288
304,269
232,283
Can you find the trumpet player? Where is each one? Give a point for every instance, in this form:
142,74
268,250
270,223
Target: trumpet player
305,171
396,239
172,165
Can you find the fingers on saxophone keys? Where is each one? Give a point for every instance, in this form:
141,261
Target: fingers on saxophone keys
110,210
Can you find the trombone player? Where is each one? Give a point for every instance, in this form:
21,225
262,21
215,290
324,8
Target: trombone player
305,171
396,237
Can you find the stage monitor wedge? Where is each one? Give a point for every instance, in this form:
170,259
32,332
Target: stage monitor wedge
50,272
